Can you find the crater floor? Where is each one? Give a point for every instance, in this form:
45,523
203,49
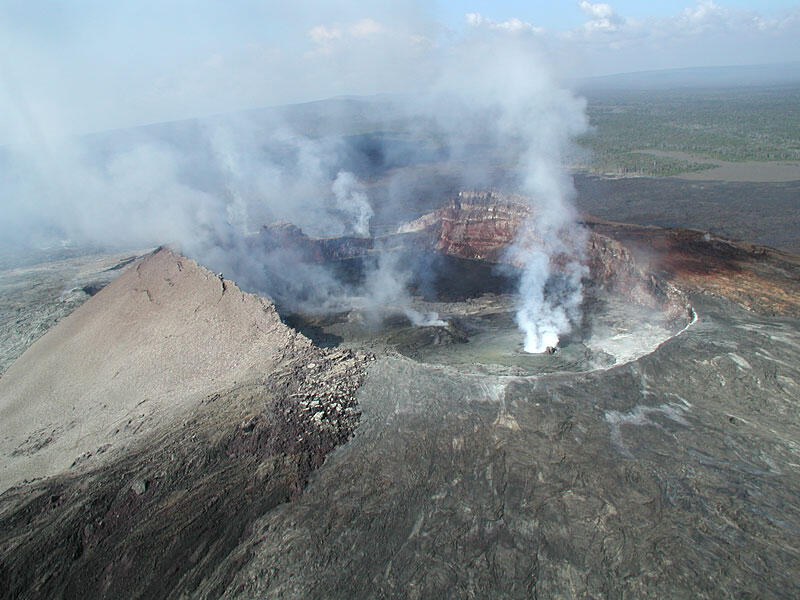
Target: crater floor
480,335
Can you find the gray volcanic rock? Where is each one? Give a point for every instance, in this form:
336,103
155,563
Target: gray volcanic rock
674,474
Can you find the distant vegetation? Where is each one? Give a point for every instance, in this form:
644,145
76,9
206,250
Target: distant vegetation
735,124
692,126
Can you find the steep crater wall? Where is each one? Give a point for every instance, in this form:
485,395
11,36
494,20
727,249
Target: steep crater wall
459,268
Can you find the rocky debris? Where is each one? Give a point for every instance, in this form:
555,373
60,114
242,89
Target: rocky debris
313,408
325,388
161,518
138,486
328,390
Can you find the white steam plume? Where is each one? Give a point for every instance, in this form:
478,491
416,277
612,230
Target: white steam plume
551,249
483,104
190,187
386,287
496,90
353,202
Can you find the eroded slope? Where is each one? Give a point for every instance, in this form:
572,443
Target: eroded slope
199,412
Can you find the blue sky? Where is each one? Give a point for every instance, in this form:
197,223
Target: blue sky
91,65
567,15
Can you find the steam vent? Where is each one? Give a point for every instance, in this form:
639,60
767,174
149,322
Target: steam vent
461,271
178,437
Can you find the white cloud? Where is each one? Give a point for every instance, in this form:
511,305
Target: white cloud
707,33
704,10
708,16
365,27
324,37
598,11
603,17
513,25
79,78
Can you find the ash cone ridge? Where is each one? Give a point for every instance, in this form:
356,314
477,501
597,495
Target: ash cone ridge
139,355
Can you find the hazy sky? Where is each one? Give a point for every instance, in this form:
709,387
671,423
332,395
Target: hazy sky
71,66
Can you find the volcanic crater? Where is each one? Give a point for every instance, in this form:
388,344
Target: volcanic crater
173,438
463,281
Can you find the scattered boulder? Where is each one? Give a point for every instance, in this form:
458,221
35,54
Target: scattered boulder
139,486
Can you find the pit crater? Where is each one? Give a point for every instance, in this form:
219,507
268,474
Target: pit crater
456,272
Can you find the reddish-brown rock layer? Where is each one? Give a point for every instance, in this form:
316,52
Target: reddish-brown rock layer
648,265
759,278
612,267
481,226
474,225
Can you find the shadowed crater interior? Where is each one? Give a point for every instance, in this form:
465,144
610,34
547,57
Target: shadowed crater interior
462,299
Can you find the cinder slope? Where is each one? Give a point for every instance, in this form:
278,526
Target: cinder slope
138,356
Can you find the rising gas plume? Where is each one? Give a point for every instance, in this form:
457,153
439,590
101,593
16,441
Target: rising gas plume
484,103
